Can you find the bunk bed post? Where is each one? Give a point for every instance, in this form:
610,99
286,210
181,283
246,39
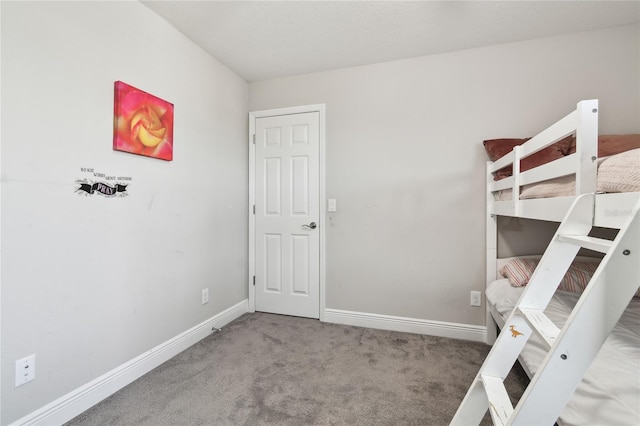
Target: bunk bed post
515,194
491,257
587,146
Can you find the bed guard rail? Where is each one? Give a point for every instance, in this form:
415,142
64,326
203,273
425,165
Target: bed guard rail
583,123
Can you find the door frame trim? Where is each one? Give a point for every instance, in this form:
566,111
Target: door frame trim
320,109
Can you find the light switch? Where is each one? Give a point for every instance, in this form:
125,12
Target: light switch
331,204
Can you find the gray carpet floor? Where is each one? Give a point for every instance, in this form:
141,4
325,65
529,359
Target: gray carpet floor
265,369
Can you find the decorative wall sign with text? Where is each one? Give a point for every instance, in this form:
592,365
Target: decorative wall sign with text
102,184
143,123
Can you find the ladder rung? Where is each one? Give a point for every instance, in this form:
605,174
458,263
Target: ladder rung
591,243
542,325
499,403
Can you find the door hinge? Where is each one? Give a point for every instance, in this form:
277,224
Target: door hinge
254,280
254,209
254,138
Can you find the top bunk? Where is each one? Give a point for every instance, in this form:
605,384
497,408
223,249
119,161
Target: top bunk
541,177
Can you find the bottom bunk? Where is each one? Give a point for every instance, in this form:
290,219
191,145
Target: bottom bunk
610,390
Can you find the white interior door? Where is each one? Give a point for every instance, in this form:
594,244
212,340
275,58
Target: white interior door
287,206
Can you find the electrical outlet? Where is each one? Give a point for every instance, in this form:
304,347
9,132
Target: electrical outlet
25,370
205,295
476,298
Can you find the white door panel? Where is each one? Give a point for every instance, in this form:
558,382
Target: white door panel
287,257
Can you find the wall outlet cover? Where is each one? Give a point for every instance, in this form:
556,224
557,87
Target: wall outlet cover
476,299
25,370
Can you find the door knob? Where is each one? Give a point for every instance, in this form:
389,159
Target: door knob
312,225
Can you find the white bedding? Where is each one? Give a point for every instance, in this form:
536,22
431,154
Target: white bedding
618,173
610,390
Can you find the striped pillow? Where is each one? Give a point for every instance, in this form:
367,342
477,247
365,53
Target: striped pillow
519,271
577,277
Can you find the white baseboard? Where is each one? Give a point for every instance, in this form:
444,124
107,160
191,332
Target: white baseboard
409,325
74,403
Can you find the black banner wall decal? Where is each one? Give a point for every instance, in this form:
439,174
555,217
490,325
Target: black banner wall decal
102,184
102,188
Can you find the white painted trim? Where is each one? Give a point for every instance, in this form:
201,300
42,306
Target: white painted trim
321,109
79,400
252,217
323,210
491,245
475,333
0,234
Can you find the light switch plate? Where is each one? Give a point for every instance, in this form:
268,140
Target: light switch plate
331,204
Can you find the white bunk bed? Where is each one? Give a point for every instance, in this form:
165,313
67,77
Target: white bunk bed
610,389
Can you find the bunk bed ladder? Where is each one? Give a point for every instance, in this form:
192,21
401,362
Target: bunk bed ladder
572,348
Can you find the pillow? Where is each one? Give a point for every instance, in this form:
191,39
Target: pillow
620,172
615,144
564,186
519,271
612,144
577,277
498,148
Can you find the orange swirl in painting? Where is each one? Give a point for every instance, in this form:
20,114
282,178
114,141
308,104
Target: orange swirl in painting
143,123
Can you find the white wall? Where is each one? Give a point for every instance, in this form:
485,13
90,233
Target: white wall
406,164
89,283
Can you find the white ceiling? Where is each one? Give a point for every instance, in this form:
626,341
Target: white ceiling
266,39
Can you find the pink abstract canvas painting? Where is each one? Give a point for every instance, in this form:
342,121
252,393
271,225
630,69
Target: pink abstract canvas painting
143,123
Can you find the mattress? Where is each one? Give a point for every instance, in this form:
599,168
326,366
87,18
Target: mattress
609,393
618,173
